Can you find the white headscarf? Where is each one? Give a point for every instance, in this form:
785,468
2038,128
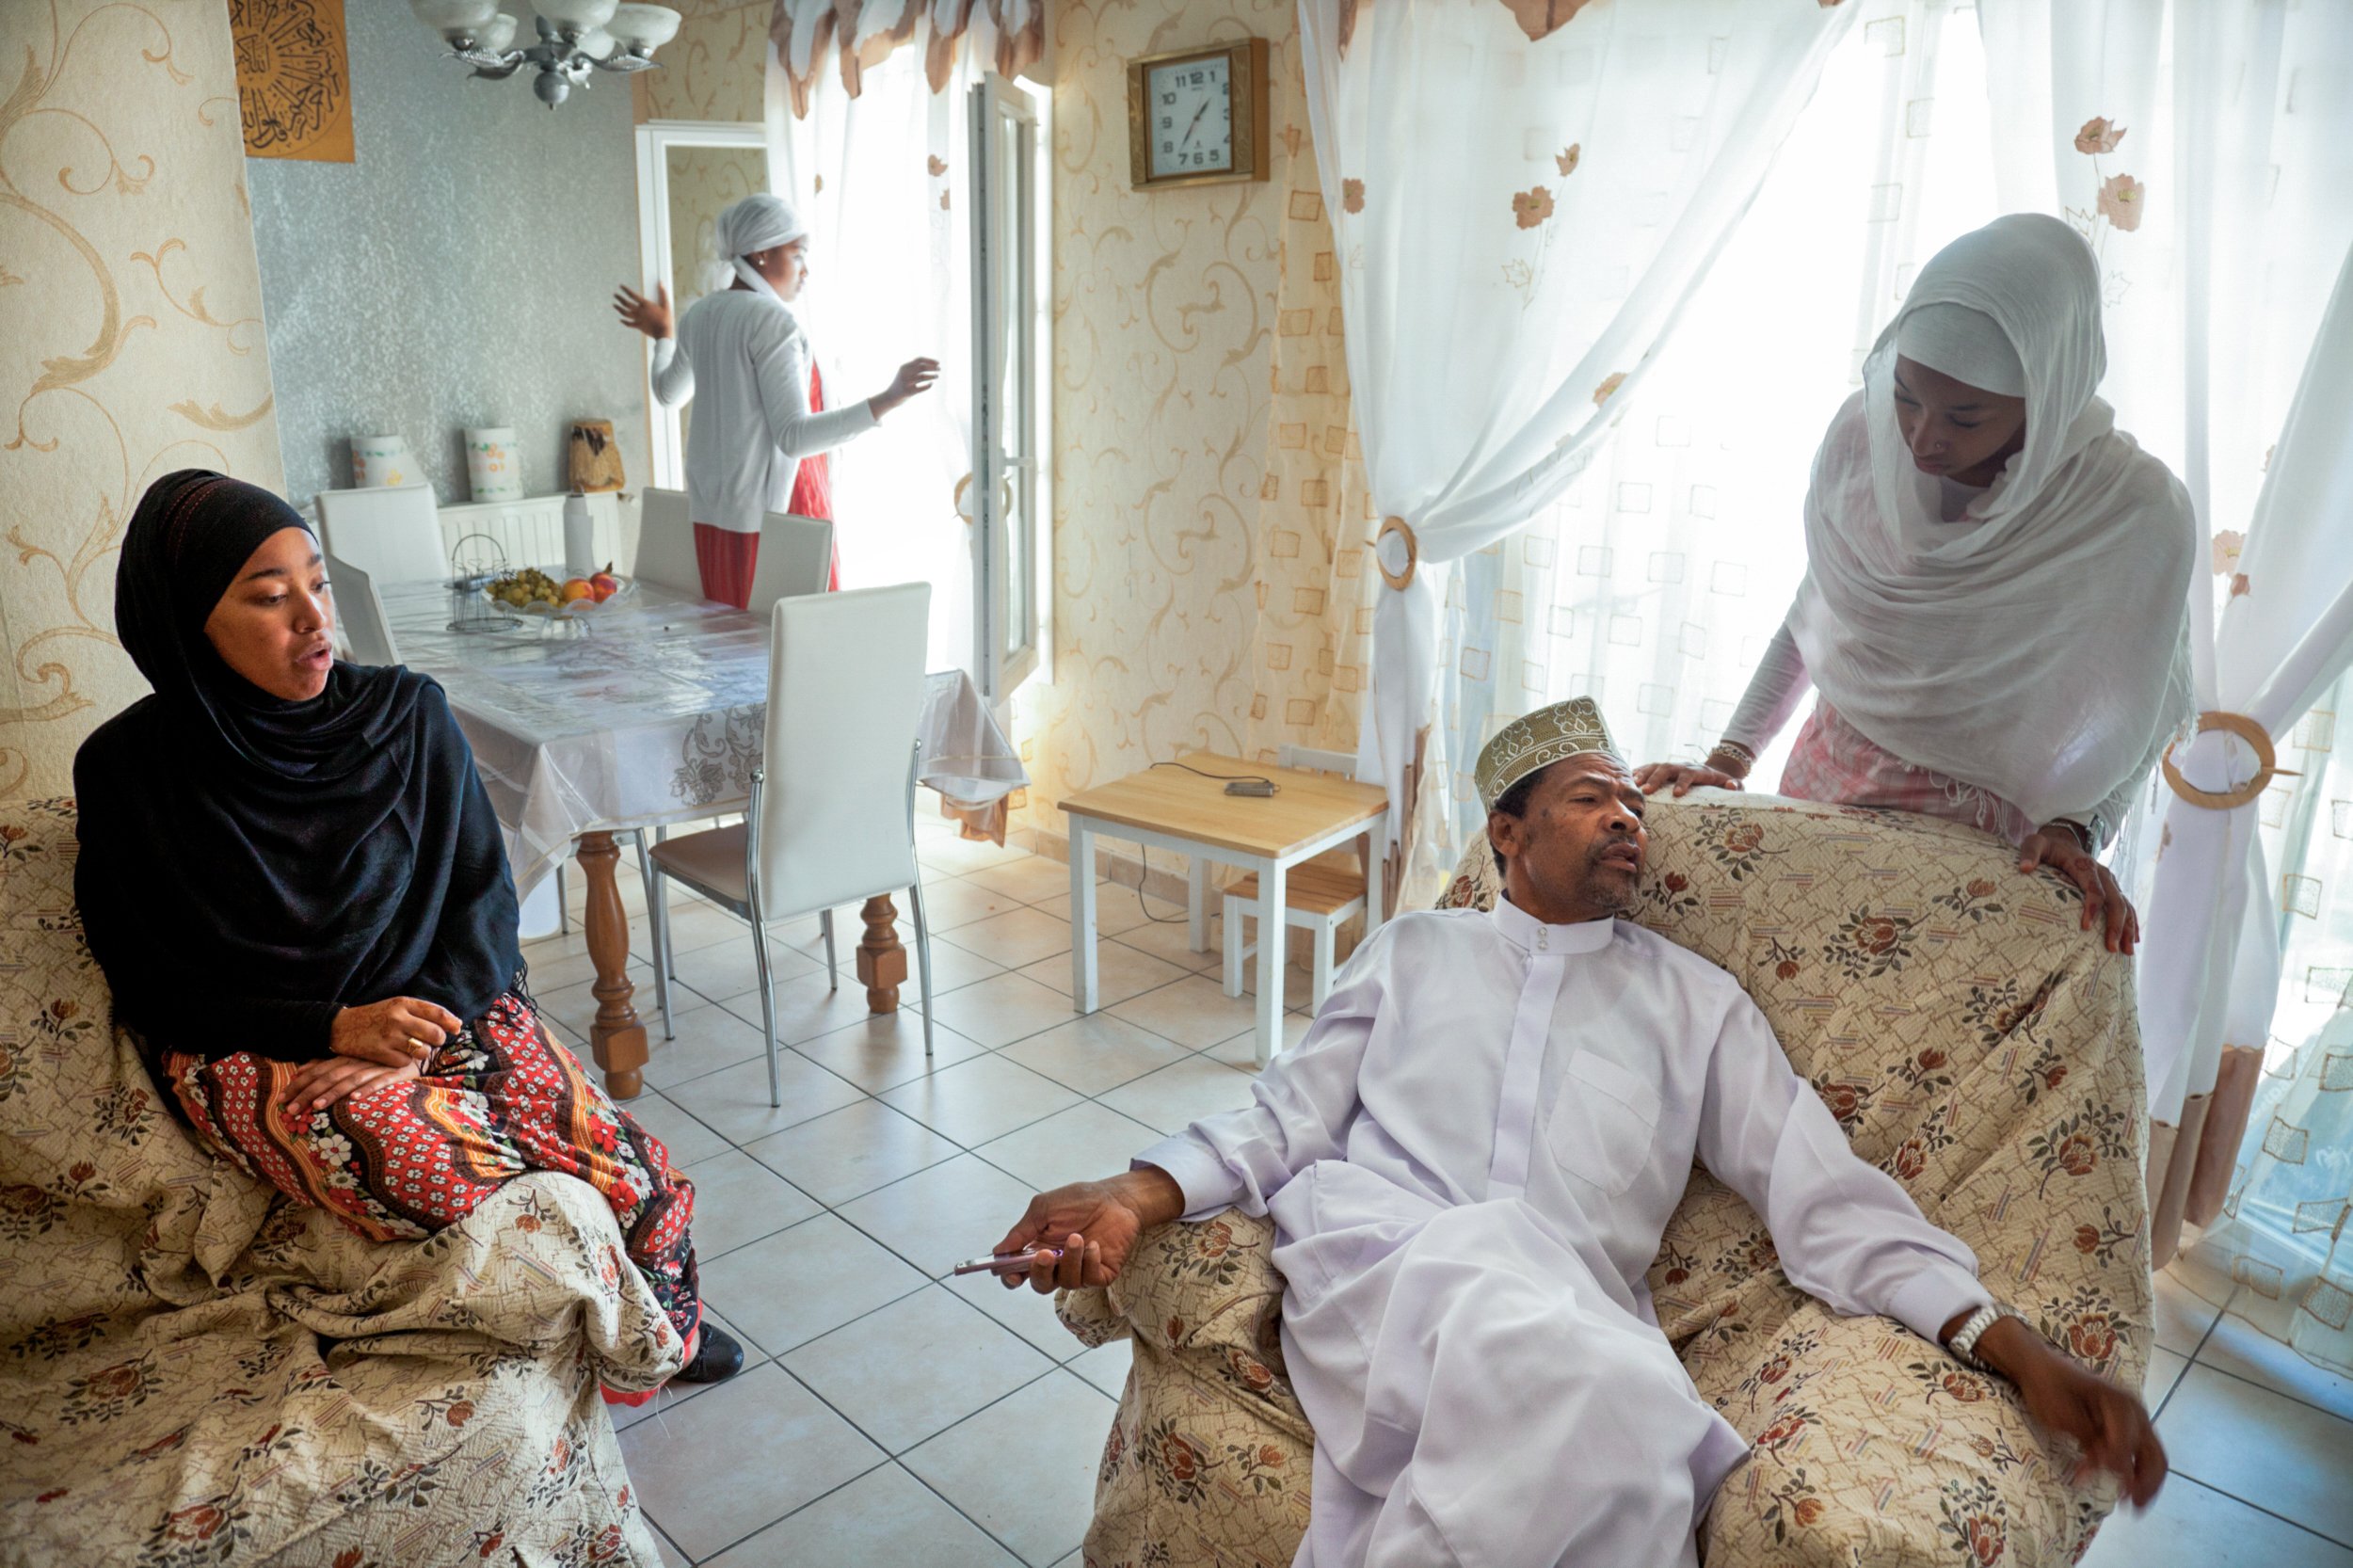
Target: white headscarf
759,222
2038,646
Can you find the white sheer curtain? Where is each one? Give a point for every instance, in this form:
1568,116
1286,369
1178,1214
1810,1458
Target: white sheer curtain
1656,578
2205,149
880,179
1519,220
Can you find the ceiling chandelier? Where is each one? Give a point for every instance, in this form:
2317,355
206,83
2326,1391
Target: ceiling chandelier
576,38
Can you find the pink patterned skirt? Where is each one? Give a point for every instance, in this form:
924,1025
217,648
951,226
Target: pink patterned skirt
1834,761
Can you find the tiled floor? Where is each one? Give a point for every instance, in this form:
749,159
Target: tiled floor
891,1416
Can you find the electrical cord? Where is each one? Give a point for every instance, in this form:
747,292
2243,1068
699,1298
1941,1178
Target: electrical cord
1143,852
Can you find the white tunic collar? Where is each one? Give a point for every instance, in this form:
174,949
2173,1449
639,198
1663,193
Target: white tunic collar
1526,930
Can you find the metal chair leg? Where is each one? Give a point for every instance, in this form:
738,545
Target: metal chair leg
922,956
833,971
657,923
563,909
767,1003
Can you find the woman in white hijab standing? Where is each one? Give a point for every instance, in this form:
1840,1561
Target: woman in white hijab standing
760,416
1961,503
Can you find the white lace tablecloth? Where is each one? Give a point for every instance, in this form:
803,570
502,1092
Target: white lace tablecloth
649,712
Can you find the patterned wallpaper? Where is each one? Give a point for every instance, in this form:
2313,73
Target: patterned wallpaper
1169,307
715,68
459,273
131,337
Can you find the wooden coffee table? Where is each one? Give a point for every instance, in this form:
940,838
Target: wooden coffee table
1167,807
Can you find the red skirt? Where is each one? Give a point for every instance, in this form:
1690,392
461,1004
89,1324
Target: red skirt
728,559
498,1098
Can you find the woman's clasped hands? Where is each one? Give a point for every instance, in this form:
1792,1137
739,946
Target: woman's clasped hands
372,1045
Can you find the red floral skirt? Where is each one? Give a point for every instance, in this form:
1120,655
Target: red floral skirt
397,1163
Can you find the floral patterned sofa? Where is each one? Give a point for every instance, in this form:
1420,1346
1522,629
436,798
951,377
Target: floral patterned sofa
1971,1040
193,1371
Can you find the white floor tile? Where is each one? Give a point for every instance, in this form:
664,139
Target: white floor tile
1167,940
2241,1348
883,1049
1175,1097
671,1394
952,903
724,970
807,1007
935,1218
734,1100
2261,1447
845,1153
809,1280
1029,880
1086,1142
979,1099
2182,1318
1117,912
2191,1526
1106,1365
1120,973
953,968
708,1039
1192,1012
687,1468
574,1007
1094,1052
737,1199
916,1367
2164,1370
1002,1009
671,1556
1013,939
885,1517
1243,1049
1022,1310
686,1139
962,856
1041,1504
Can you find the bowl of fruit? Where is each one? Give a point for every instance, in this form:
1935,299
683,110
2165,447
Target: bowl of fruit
532,592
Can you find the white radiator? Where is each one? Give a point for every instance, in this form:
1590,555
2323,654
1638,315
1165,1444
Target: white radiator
531,531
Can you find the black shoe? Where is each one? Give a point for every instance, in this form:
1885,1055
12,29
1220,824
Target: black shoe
717,1359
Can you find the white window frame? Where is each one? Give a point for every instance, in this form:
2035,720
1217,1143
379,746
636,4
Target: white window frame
1012,222
664,438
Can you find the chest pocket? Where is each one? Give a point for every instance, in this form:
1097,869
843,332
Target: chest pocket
1602,1126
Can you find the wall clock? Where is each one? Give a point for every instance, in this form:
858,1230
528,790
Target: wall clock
1198,116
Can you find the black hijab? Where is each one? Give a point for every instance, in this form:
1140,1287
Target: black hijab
251,865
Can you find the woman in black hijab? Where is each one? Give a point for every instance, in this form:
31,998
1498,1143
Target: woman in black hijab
293,879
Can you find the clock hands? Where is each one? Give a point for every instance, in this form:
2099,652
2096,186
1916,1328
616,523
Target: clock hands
1195,125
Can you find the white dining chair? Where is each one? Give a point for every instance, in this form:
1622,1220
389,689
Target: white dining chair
1319,896
665,543
393,534
359,614
832,817
795,557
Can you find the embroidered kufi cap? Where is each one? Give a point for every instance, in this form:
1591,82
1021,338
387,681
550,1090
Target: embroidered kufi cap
1535,741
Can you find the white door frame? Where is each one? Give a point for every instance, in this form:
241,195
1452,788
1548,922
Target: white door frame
654,140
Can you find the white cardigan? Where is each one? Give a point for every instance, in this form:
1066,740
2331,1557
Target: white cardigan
748,359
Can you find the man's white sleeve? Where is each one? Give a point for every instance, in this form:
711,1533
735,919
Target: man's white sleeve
1304,1103
1846,1231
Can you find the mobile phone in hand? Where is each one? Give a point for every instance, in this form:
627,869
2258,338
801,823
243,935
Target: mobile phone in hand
1009,1263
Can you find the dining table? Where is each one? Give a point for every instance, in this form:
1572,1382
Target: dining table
647,710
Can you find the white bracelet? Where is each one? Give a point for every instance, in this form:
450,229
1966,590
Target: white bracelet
1963,1344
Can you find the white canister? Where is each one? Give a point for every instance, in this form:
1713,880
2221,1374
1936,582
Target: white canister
579,537
379,461
494,467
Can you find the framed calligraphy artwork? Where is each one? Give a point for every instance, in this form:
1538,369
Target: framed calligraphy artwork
293,79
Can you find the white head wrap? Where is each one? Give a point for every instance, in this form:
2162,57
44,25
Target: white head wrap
1963,343
759,222
2038,646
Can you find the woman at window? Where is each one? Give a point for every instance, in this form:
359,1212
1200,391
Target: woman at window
292,877
760,422
1962,505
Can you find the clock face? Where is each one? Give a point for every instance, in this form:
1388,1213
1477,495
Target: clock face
1192,119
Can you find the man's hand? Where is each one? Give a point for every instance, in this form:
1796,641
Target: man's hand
2110,1426
915,377
650,315
1096,1224
397,1032
2055,846
321,1083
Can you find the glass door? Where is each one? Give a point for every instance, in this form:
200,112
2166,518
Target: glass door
1007,314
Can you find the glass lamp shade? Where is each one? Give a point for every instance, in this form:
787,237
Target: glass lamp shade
454,16
496,34
598,44
576,16
643,28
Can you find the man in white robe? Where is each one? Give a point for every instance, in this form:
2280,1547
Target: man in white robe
1470,1160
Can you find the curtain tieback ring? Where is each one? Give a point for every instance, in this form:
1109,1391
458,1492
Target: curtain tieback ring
1403,580
2266,764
